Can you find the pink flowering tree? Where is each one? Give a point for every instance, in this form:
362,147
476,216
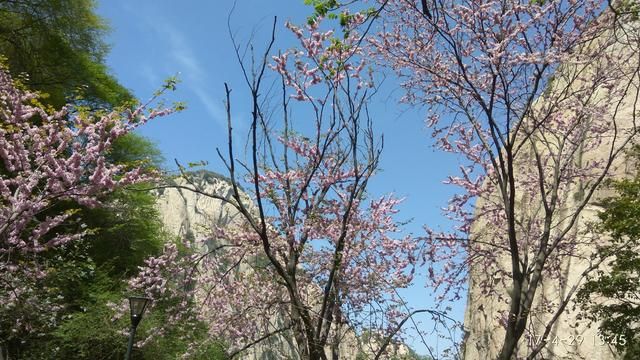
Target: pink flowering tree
538,98
315,258
49,160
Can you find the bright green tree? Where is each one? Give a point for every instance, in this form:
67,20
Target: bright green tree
58,45
612,297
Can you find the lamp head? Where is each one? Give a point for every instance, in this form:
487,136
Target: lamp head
138,305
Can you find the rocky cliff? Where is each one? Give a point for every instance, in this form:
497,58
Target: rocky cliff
571,337
191,215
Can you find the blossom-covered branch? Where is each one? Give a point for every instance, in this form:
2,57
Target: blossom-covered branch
539,99
315,259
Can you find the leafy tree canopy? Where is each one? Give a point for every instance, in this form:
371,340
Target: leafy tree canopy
59,45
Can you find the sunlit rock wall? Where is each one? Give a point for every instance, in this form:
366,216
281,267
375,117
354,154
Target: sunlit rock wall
571,337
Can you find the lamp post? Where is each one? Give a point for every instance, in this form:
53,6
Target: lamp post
137,305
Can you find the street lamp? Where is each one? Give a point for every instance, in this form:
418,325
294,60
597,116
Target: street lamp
138,305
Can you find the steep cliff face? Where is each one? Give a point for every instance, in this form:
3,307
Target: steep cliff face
571,337
191,215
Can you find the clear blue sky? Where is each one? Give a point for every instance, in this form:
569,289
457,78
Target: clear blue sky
154,39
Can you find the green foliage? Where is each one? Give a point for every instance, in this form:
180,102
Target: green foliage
134,150
95,332
174,342
611,296
127,230
328,9
58,43
627,7
322,7
171,82
335,10
89,333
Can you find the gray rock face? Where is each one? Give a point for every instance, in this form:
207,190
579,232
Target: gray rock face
189,214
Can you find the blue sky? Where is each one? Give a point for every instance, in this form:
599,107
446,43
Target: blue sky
154,39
